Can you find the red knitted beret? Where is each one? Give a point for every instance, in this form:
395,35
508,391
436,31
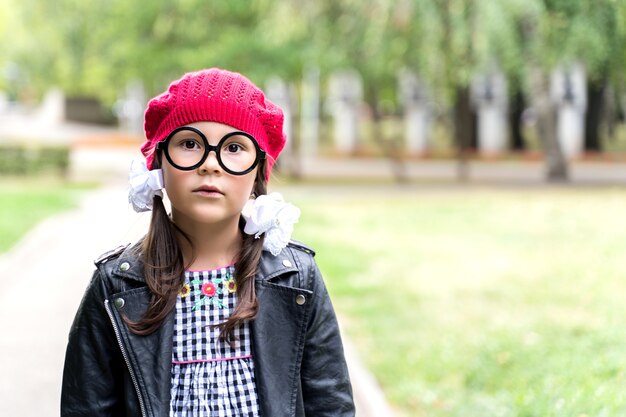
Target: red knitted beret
215,95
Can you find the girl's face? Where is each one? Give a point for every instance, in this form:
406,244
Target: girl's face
207,194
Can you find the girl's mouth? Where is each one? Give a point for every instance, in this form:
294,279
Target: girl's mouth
208,190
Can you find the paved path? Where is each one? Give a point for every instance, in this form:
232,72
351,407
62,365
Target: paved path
42,281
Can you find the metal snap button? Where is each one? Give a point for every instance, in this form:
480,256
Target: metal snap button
125,266
287,263
300,299
119,303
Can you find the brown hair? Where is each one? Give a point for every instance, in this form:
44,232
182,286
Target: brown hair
164,269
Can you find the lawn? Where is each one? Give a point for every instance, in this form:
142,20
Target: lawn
481,302
25,202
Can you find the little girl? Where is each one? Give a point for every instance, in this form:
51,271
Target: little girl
215,312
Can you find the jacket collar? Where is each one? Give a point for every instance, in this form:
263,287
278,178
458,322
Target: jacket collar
130,266
272,266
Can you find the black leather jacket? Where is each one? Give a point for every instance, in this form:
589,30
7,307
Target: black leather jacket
298,355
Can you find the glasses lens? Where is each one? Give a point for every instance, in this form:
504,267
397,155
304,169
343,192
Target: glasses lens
186,148
238,153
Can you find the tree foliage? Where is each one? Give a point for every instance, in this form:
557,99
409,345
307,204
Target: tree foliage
96,47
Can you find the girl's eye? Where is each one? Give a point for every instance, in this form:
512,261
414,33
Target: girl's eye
233,147
189,144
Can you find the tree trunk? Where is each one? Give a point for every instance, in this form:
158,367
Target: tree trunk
518,103
464,130
557,170
593,116
392,149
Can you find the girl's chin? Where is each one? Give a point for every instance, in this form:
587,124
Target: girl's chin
205,218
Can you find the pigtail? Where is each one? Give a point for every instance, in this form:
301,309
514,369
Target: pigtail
164,269
245,271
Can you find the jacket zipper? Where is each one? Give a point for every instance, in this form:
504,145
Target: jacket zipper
130,369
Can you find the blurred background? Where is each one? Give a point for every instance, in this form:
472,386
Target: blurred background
460,166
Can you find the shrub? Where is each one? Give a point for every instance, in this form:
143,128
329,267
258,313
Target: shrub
29,159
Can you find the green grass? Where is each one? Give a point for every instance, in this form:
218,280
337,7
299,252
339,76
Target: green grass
481,303
25,202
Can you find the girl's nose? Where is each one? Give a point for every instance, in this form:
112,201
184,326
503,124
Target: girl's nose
210,164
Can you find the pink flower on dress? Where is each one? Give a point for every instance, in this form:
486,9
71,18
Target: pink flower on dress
207,293
209,289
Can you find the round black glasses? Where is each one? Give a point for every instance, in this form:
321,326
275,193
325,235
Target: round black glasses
187,148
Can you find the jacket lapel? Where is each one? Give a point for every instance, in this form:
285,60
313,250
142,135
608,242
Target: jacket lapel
278,334
150,356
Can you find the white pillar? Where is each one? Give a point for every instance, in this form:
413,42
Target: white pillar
417,112
4,103
309,115
130,109
569,93
489,97
52,110
345,96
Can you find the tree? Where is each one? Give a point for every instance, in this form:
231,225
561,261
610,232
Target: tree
562,31
96,47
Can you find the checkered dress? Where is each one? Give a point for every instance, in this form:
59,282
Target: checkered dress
209,378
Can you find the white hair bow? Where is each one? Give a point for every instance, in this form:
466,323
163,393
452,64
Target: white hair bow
270,214
144,185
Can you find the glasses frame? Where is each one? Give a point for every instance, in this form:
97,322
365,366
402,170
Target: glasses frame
163,146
